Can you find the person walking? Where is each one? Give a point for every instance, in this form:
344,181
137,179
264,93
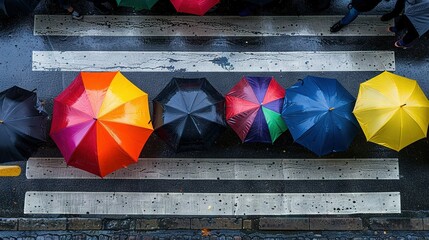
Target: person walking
414,21
397,10
66,4
355,8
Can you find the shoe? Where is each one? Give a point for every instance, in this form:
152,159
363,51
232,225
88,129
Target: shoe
336,27
392,29
401,44
76,15
387,17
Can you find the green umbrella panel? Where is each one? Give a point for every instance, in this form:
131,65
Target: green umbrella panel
137,4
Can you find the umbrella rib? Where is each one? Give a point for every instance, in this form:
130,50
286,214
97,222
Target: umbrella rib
120,147
75,109
213,104
19,129
120,105
17,105
384,124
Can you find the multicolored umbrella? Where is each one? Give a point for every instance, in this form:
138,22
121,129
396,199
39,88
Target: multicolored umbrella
189,114
318,113
253,109
137,4
196,7
392,110
23,124
101,122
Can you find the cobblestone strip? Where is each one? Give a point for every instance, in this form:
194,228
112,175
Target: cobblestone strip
336,224
217,223
276,223
163,223
42,224
8,224
411,224
225,223
84,224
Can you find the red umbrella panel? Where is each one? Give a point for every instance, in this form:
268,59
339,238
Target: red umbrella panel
101,122
253,109
196,7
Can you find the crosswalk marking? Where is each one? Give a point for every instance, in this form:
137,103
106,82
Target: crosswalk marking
218,204
165,61
227,169
215,26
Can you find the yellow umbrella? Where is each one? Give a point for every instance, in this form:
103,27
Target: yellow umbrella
392,110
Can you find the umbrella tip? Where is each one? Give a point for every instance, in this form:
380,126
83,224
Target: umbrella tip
1,122
331,108
403,105
94,118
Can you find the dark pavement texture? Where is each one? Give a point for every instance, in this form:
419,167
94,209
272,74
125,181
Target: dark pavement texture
17,43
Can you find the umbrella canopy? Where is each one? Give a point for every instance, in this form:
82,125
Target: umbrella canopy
101,122
253,109
189,114
137,4
196,7
392,110
23,124
318,113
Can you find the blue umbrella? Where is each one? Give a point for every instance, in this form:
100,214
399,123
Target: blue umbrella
318,113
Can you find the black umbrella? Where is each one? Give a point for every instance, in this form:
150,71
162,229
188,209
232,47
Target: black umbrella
189,114
23,124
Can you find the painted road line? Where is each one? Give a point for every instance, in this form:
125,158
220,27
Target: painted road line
227,169
216,26
160,61
136,203
10,171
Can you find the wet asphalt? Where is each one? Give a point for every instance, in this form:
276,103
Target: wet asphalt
17,43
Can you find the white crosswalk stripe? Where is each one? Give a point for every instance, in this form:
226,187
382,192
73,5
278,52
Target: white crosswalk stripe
218,203
129,203
227,169
215,26
155,61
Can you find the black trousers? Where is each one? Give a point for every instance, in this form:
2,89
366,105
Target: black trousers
399,7
98,3
404,23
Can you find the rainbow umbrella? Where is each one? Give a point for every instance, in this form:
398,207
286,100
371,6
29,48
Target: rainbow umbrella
253,109
101,122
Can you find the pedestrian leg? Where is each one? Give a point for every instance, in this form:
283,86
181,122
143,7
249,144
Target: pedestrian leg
399,7
410,36
351,15
66,4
